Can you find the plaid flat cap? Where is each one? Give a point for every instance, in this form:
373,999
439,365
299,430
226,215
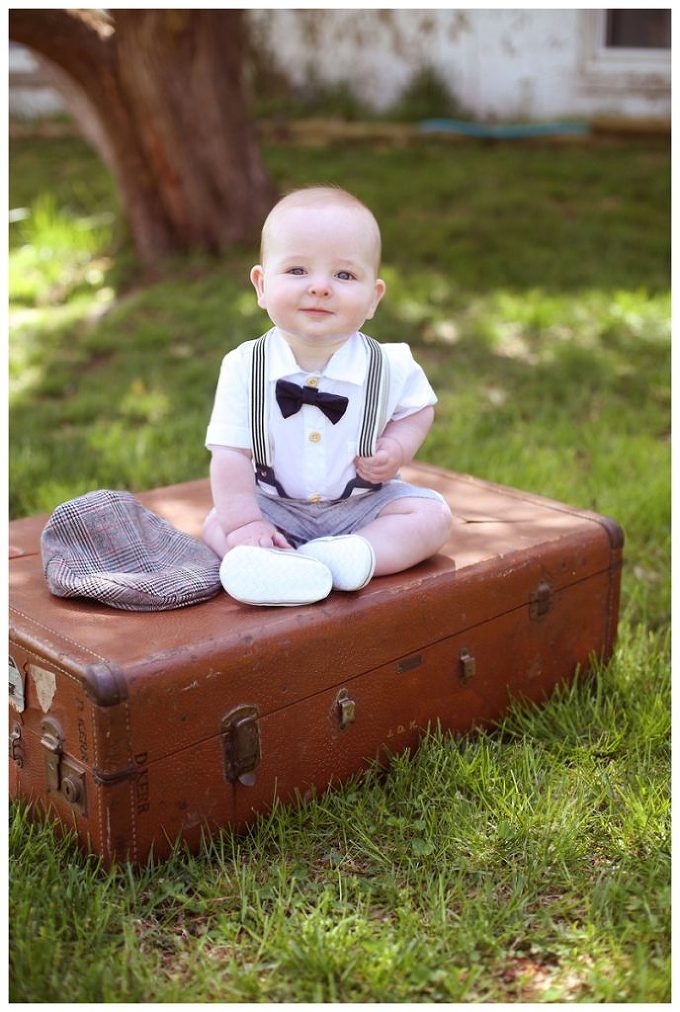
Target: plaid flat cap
107,546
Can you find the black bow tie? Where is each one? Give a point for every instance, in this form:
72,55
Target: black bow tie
291,397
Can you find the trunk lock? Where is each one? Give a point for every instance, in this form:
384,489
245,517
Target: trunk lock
16,747
241,744
61,775
468,665
541,600
346,709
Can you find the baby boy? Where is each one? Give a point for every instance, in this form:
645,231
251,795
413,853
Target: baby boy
312,422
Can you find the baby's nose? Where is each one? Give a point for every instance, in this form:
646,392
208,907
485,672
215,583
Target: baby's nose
319,286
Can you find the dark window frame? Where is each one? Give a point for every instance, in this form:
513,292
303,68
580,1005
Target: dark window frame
637,29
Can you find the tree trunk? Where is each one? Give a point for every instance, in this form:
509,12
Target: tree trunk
165,91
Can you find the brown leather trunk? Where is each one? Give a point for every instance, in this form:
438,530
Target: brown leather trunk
138,728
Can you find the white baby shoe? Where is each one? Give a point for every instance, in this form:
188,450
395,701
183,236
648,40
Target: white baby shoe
349,557
273,576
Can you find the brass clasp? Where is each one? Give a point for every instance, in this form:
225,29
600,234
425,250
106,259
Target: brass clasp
61,774
16,746
468,665
241,744
346,709
541,600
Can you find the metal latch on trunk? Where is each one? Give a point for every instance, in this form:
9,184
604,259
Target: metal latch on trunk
541,600
241,744
16,748
468,665
61,775
346,709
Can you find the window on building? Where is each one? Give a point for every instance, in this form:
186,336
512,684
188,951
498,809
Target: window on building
628,29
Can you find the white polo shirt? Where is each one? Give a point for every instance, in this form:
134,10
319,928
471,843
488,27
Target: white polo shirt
311,457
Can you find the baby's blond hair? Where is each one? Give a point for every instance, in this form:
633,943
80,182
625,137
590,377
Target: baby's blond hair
320,197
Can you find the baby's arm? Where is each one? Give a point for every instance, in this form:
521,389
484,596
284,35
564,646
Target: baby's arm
232,482
399,443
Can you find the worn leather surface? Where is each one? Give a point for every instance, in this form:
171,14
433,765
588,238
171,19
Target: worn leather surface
141,698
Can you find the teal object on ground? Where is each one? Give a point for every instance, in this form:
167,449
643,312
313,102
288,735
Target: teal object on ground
501,131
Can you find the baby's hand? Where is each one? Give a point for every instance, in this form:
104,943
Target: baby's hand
260,533
384,464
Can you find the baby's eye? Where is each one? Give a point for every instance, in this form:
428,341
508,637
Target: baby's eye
297,271
346,276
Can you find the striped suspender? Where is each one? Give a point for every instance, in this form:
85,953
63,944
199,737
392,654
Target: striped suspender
258,405
375,401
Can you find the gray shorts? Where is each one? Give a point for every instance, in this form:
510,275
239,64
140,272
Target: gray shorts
301,521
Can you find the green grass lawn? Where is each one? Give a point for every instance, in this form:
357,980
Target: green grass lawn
526,864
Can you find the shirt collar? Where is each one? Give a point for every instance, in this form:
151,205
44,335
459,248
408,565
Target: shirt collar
347,364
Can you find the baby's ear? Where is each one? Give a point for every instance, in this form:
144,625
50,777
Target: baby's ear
257,278
379,291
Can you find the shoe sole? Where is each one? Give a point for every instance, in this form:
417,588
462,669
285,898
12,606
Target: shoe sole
344,555
272,577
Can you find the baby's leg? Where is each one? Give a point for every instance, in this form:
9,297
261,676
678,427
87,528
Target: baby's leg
406,532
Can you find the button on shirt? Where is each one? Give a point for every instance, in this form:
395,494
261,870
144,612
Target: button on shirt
311,457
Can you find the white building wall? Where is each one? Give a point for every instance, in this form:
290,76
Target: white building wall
499,64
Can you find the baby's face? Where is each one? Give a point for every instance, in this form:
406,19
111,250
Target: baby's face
318,277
